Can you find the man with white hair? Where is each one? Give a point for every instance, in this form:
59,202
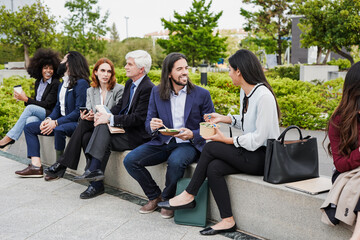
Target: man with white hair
129,113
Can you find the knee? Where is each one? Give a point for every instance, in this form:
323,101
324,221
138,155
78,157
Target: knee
59,130
130,161
31,128
214,169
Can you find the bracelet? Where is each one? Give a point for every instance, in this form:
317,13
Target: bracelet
56,123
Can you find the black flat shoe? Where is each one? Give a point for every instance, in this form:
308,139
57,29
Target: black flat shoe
56,170
94,176
211,231
166,205
91,192
9,143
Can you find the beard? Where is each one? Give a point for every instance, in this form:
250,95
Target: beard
178,82
61,69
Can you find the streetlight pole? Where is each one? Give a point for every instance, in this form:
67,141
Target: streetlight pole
127,33
12,5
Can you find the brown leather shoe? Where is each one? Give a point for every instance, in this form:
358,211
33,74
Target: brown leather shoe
50,178
166,213
150,206
31,171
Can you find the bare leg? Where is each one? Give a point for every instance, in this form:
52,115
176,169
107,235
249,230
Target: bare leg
356,233
5,140
181,199
36,161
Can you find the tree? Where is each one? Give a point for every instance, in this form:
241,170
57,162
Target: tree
85,27
116,51
330,25
31,27
114,35
193,34
271,18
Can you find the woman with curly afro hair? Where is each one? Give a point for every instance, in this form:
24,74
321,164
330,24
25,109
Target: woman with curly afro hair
43,67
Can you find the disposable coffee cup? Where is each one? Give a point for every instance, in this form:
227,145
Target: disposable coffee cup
18,88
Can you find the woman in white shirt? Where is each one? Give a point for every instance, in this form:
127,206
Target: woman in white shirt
240,154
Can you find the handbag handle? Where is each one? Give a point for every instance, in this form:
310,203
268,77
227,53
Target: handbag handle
282,135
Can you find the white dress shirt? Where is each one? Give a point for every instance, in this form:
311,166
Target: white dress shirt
62,94
178,110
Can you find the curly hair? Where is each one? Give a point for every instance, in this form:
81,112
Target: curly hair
41,58
95,81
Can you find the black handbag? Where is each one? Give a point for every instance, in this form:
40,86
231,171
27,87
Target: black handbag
290,161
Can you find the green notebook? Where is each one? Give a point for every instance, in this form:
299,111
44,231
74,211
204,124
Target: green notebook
197,215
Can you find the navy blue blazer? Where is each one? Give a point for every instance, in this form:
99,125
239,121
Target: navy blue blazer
198,102
74,99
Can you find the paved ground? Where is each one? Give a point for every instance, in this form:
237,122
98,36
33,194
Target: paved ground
34,209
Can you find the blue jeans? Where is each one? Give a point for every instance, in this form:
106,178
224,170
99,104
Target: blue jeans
32,113
32,130
178,156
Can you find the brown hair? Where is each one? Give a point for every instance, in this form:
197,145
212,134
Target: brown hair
348,111
95,81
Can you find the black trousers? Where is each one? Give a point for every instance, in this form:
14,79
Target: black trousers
79,139
218,160
102,142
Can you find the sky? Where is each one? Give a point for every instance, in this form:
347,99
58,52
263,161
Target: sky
144,15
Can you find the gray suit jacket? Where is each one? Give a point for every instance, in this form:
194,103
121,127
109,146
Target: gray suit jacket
112,97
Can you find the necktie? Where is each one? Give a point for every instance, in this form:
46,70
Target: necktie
126,109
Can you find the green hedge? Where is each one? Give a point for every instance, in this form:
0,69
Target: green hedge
285,71
301,103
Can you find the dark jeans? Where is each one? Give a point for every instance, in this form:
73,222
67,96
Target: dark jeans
32,130
178,157
79,139
218,160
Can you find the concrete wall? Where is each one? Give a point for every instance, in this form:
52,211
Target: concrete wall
318,72
267,210
4,73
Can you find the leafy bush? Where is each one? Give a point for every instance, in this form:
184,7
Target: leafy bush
342,63
301,103
2,66
304,104
285,71
10,110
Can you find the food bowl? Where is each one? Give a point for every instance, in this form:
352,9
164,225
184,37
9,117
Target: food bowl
169,132
207,129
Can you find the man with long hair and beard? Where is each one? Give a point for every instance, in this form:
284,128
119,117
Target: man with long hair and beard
175,103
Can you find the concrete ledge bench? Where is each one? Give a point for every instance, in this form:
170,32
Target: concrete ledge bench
266,210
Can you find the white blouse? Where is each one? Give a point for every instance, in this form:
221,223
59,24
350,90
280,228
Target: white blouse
260,121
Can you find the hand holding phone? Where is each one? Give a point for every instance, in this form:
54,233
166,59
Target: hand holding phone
83,109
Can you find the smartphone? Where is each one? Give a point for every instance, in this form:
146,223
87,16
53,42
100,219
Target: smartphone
84,109
18,88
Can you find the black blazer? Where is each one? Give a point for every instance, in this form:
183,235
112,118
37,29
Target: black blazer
134,122
49,98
